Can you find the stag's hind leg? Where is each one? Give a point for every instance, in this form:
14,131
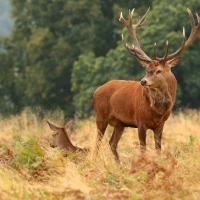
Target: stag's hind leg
117,133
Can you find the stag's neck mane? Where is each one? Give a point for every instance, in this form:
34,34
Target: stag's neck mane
162,99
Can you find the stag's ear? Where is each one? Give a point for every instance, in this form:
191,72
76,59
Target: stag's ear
173,62
144,63
68,126
52,127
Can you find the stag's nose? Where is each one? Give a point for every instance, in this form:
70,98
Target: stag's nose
143,82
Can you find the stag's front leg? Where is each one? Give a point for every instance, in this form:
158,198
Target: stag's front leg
117,133
142,137
158,137
101,128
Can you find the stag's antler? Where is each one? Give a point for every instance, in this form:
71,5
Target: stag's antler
136,50
195,31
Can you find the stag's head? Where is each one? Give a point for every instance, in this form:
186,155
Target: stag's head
159,69
157,72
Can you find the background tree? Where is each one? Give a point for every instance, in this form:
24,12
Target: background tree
164,22
47,38
60,51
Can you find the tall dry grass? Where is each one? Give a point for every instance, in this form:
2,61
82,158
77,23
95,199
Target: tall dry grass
31,169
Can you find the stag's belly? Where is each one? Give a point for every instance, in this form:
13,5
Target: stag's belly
147,120
113,121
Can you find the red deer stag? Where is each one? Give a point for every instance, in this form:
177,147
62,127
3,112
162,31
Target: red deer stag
60,138
146,104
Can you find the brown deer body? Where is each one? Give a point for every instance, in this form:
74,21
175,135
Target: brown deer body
61,140
146,104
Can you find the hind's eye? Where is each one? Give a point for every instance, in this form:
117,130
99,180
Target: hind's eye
54,134
158,72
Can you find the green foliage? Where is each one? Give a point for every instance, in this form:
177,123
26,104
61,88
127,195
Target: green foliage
136,197
192,142
88,198
31,154
117,181
91,71
192,139
28,153
24,154
46,40
112,180
60,51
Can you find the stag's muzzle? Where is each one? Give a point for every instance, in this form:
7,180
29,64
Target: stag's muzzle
143,82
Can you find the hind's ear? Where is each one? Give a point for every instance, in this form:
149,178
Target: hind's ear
69,125
52,127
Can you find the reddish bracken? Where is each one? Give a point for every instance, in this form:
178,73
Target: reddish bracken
146,104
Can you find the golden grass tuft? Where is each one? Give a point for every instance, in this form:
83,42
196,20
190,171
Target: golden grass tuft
31,169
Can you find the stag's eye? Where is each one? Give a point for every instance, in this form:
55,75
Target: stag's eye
150,72
158,72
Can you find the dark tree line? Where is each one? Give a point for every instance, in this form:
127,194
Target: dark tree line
60,51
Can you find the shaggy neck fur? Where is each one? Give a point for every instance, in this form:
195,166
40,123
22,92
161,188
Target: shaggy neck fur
162,98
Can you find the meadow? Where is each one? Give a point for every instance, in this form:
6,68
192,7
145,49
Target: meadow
31,169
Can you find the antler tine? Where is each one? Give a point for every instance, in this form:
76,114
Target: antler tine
126,46
142,20
136,54
191,18
177,52
129,21
132,31
198,19
155,54
166,53
131,15
133,50
195,31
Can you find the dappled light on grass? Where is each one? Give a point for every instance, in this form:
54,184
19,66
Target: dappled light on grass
31,169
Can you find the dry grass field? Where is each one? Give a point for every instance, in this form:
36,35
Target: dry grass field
31,169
